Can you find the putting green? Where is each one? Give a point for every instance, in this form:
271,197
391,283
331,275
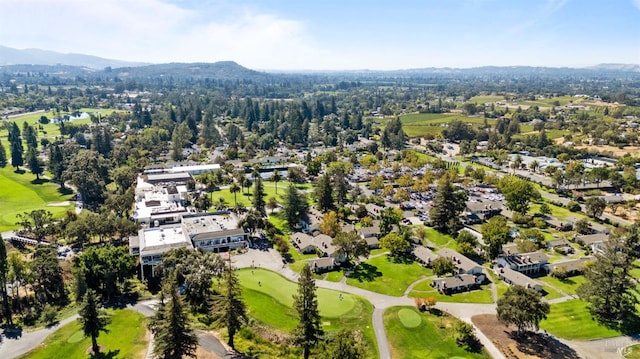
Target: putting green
331,303
409,318
76,337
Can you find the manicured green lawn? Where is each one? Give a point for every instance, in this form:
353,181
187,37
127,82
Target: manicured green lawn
20,193
568,285
244,197
572,320
269,299
413,334
383,275
632,352
482,99
437,238
551,293
126,338
424,289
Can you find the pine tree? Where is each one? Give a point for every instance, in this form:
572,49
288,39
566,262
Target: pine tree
93,319
4,268
56,163
295,206
3,156
309,330
228,307
174,335
447,206
324,193
35,166
16,154
258,197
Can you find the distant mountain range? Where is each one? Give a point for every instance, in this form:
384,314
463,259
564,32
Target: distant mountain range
11,56
69,65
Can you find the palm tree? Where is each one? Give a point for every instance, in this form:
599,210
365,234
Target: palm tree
534,165
272,204
222,203
235,189
247,184
240,177
276,178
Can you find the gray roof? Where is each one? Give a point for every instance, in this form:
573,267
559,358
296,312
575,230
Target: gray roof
302,240
517,278
424,254
369,231
462,280
322,263
323,242
593,238
558,242
571,265
461,261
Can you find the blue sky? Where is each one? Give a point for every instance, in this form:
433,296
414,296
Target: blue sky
332,34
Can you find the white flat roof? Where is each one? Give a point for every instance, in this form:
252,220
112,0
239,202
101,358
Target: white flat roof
161,239
208,167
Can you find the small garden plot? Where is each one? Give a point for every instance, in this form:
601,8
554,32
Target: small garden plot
387,275
413,334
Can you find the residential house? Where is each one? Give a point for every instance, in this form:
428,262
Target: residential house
374,210
560,245
457,283
528,263
463,264
371,235
424,255
594,241
512,277
484,210
572,267
323,264
303,242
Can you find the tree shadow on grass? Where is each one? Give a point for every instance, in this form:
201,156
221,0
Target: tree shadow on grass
543,345
111,354
38,181
365,272
399,259
65,190
19,171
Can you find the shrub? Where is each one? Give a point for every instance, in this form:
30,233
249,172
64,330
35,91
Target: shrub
521,219
539,223
573,206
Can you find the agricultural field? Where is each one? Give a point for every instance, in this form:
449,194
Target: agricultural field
482,99
21,192
126,338
413,334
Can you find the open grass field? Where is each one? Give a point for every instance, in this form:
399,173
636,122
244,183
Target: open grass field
269,299
481,99
424,289
384,275
568,285
421,124
439,239
571,320
413,334
19,192
245,198
126,339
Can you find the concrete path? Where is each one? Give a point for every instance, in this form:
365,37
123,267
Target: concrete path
12,348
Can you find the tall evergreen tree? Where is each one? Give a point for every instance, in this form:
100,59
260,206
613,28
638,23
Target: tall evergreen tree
93,319
309,329
324,193
33,162
4,269
228,307
448,204
258,197
16,154
3,156
56,163
609,287
174,336
295,206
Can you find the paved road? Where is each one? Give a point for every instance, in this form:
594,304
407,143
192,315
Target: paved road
11,348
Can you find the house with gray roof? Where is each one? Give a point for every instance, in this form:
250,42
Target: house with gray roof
457,283
322,264
424,255
512,277
303,242
464,264
572,266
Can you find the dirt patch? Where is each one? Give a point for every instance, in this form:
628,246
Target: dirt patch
59,204
529,346
615,151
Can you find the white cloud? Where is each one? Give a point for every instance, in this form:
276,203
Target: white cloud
156,31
